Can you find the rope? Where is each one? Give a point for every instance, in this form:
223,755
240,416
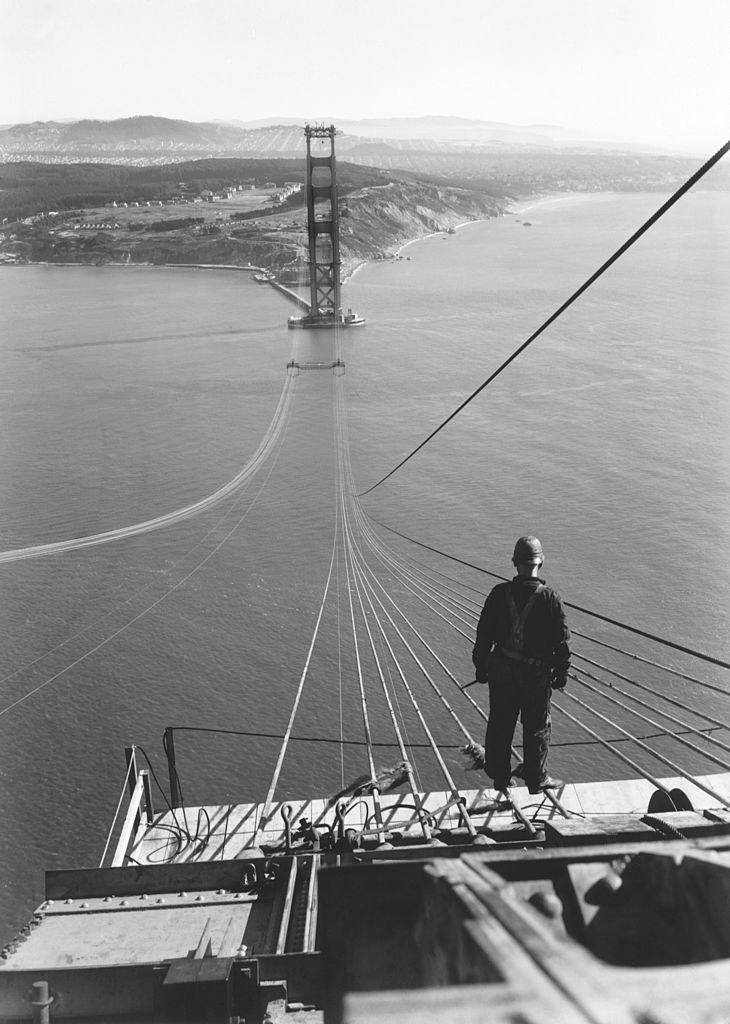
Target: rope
561,309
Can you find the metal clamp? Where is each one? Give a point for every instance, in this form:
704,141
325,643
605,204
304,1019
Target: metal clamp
286,813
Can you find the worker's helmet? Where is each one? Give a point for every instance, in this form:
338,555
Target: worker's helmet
528,551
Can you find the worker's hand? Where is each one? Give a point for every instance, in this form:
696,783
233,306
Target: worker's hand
559,678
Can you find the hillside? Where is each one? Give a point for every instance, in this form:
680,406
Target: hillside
92,223
28,188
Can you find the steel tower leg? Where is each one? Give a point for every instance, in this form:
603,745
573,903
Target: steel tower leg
323,226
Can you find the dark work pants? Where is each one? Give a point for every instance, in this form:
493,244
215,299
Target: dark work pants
516,689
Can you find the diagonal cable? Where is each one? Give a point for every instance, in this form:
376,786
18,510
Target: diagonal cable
561,309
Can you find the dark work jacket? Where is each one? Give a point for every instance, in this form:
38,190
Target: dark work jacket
546,633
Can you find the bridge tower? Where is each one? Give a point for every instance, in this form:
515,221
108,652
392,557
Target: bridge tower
323,234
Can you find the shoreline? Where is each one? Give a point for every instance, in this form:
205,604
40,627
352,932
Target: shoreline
518,208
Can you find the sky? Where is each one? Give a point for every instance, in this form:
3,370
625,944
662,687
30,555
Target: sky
646,71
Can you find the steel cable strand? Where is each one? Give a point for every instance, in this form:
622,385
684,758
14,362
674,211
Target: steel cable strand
649,689
715,158
417,800
654,664
266,812
574,607
153,604
424,725
170,518
389,560
343,455
344,441
471,747
342,450
410,625
653,753
608,744
401,746
367,531
424,586
656,693
414,589
437,753
414,569
415,584
367,572
470,741
234,507
347,558
475,705
718,761
709,738
434,655
437,551
514,750
644,718
339,671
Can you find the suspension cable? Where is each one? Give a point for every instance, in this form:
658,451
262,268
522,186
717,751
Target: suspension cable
561,309
362,566
650,689
654,664
406,760
280,760
568,604
650,721
609,745
654,753
170,590
361,683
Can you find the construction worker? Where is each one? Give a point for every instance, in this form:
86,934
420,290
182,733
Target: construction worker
522,651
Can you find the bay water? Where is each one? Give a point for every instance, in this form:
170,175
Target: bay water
128,393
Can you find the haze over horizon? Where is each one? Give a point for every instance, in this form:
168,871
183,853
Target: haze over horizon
642,73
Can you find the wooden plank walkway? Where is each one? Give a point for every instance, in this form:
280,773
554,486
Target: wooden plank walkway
229,831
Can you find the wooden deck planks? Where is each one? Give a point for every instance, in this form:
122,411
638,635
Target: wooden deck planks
227,831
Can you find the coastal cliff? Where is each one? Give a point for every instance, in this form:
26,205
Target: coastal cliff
375,221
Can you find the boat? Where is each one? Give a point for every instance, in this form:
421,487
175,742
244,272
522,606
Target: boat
351,319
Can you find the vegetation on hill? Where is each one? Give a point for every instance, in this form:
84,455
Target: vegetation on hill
28,188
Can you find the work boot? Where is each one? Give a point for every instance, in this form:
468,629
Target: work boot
547,783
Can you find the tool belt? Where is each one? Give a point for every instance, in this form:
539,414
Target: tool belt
523,658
